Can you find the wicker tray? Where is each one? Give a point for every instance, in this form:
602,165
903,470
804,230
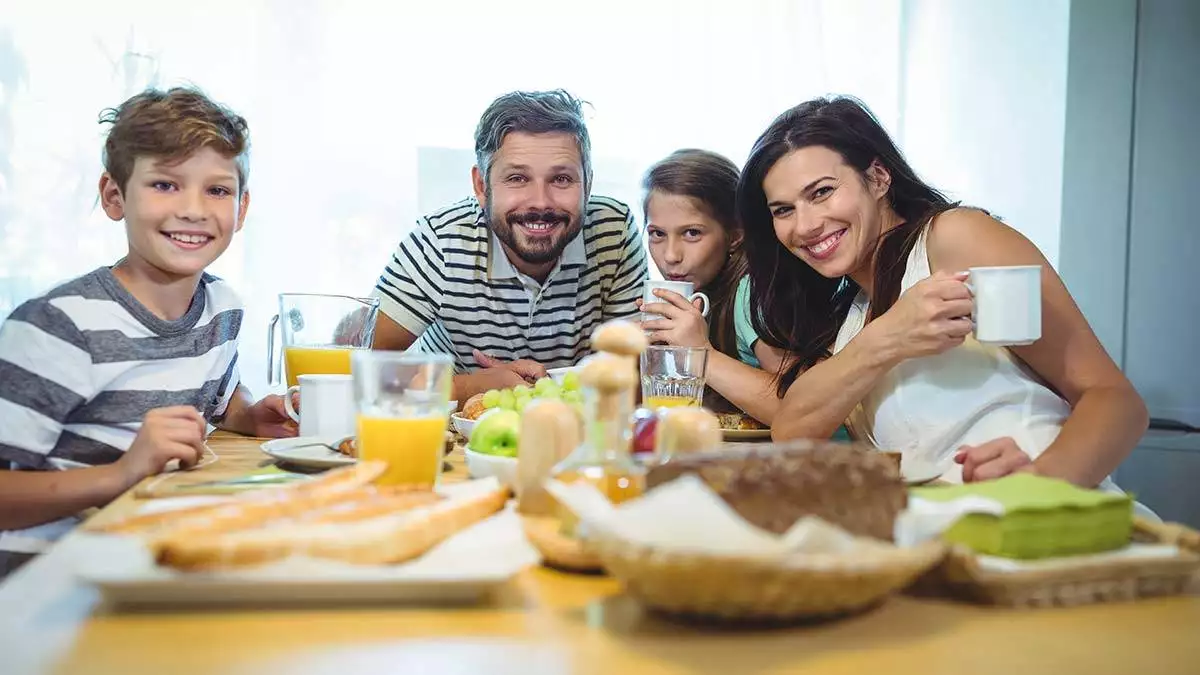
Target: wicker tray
745,589
961,575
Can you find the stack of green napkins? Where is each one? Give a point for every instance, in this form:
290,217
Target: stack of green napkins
1043,518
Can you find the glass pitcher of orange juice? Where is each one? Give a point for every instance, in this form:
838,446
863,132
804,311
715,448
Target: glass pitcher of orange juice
318,333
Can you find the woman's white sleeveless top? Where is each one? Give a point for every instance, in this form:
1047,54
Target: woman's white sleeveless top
930,406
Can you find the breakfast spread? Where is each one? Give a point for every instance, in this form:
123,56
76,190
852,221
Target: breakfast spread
819,519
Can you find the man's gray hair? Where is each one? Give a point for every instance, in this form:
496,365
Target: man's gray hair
532,112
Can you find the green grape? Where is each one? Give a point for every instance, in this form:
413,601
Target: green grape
547,388
573,397
571,381
491,399
508,400
522,389
523,401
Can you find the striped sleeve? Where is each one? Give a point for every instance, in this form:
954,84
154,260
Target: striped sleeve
409,291
45,374
632,274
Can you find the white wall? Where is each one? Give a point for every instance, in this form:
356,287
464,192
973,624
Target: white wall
983,106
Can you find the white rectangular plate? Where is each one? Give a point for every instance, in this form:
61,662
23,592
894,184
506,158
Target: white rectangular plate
464,568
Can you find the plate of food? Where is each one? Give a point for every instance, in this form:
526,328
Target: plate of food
340,538
321,453
312,452
742,427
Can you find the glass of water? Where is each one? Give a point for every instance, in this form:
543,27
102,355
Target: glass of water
673,376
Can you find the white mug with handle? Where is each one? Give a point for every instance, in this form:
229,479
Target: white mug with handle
327,406
1008,304
685,288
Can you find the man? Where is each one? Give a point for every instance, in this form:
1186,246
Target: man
514,279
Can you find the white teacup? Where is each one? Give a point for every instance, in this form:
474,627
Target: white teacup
685,288
1008,304
327,405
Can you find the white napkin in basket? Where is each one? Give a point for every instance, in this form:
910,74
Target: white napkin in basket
686,515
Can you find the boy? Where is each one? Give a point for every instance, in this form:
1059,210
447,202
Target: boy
109,377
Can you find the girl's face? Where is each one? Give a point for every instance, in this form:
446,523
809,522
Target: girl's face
686,243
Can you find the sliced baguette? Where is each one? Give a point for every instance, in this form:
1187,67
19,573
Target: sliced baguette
253,508
385,539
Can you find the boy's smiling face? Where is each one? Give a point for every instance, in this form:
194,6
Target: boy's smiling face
179,217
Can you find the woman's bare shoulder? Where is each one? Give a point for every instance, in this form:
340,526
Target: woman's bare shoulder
964,237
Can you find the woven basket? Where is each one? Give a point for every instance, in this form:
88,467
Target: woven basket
745,589
558,551
962,576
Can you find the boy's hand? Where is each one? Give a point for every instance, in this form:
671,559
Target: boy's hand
269,419
166,434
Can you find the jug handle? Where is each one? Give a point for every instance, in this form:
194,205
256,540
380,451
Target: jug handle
272,377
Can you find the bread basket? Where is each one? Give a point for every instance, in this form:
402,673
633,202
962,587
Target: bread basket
731,588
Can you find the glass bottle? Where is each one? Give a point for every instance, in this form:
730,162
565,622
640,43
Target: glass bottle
603,459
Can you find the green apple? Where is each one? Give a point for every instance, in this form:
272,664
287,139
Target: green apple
496,433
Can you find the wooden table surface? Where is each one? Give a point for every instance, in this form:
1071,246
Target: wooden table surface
551,622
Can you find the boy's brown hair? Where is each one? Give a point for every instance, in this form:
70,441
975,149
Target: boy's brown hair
172,125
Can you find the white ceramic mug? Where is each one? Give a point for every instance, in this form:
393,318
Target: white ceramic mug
685,288
327,406
1008,304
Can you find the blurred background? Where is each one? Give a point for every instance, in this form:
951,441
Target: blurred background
1073,121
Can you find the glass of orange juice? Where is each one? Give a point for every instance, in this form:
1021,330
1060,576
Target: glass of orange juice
673,376
401,400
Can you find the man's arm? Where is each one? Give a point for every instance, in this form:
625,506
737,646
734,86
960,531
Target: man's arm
392,336
408,290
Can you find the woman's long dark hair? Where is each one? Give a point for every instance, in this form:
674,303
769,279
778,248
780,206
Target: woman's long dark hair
795,308
710,181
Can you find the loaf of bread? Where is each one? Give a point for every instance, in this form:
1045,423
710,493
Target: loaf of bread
686,430
409,526
774,485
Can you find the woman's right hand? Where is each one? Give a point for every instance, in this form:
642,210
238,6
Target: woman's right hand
931,317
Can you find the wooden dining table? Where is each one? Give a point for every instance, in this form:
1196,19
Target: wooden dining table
552,622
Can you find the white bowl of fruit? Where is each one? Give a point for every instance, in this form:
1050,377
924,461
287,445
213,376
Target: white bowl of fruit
516,398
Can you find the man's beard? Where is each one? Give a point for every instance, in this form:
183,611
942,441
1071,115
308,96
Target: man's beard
540,250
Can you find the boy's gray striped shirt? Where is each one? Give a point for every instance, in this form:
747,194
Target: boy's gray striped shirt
81,365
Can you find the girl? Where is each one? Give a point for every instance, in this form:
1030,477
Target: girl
694,235
858,266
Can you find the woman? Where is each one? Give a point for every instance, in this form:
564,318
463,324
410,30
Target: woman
694,235
857,265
